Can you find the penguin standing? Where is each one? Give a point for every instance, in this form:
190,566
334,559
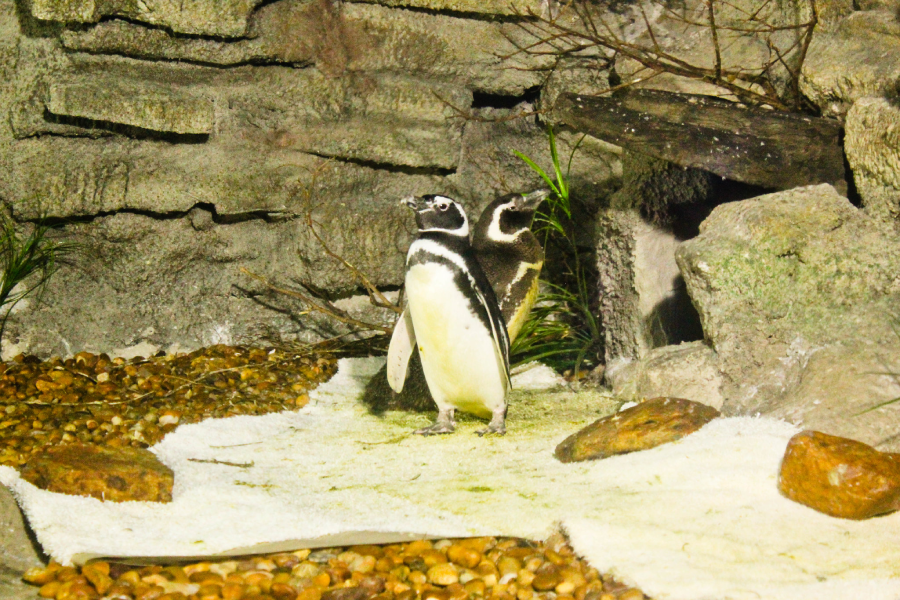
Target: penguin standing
452,317
510,254
511,257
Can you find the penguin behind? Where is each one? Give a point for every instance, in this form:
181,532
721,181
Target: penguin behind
511,258
452,317
511,255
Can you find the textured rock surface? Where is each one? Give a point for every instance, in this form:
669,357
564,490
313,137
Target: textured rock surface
181,143
643,302
791,287
500,7
867,40
226,18
113,474
872,145
840,477
18,552
688,370
647,425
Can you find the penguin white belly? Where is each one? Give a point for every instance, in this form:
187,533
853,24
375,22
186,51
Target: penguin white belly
458,354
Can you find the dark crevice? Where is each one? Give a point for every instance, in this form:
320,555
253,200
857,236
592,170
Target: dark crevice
131,131
252,62
200,207
464,14
486,100
389,167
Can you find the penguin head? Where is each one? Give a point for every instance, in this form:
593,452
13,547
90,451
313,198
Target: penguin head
509,216
439,213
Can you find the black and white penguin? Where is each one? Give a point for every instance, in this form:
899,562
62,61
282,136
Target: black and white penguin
511,255
453,319
511,258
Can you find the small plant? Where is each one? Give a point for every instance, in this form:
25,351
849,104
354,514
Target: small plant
562,329
34,257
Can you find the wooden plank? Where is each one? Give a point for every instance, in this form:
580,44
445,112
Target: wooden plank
761,147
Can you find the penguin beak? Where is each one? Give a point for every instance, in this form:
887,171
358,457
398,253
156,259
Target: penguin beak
411,201
533,200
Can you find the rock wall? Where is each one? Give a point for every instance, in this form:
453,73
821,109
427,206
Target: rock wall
177,143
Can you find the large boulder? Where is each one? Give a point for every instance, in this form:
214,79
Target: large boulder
796,293
860,58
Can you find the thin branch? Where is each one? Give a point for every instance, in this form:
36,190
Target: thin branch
328,308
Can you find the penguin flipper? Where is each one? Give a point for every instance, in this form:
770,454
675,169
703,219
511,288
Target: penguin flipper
403,340
498,333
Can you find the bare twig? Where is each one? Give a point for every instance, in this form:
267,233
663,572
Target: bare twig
326,307
753,84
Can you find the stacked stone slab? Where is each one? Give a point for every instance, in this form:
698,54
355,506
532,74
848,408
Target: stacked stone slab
181,142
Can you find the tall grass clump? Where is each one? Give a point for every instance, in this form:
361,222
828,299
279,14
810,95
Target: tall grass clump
563,329
27,262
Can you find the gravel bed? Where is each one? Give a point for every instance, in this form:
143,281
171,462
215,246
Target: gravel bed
95,399
468,569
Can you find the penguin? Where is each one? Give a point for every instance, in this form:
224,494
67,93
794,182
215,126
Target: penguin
509,253
453,319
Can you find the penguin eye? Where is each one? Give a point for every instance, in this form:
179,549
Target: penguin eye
442,206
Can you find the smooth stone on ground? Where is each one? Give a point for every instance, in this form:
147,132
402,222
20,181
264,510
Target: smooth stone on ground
839,476
114,474
649,424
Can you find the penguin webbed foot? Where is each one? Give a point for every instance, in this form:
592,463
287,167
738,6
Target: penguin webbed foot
444,424
497,425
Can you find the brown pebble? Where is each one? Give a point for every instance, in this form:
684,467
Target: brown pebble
839,476
647,425
546,580
463,556
310,593
443,574
352,593
282,591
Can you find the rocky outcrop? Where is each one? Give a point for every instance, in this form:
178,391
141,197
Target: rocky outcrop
872,145
795,292
178,144
860,58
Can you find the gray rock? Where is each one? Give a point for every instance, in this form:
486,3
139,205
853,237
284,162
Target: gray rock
861,58
226,18
872,145
18,552
348,38
144,105
643,302
785,284
689,370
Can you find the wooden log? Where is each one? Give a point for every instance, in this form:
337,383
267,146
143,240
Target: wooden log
761,147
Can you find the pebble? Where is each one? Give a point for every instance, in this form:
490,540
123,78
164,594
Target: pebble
641,427
327,574
839,476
